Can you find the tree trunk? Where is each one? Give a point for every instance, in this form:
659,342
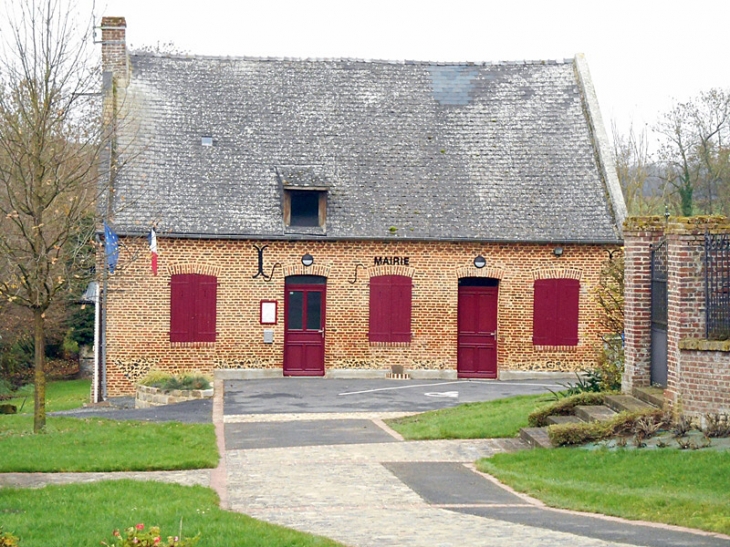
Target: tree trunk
39,335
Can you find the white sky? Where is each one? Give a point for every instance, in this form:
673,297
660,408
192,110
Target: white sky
641,53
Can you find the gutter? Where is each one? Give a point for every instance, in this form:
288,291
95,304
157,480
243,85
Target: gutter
313,237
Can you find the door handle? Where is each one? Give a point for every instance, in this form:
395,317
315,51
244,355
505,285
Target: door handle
321,331
493,333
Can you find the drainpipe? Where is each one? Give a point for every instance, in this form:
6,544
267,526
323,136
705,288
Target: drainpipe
97,342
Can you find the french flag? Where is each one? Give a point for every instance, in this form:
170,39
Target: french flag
153,249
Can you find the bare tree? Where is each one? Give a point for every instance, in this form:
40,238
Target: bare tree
636,172
49,146
695,151
610,292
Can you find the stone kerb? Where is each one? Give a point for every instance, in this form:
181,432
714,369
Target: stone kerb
147,396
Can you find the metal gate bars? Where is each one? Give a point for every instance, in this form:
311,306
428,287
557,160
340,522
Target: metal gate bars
717,286
659,263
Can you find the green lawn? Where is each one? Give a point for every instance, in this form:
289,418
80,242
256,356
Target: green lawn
83,515
490,419
63,395
669,486
92,444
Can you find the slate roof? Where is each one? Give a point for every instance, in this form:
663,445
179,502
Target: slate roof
496,152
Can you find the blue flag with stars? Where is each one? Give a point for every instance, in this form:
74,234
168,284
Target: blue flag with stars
111,247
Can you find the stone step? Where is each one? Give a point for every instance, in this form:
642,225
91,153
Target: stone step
626,403
563,420
536,437
594,413
652,395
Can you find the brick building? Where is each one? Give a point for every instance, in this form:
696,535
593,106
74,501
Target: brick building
334,217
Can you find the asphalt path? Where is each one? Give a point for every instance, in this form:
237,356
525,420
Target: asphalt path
323,395
318,395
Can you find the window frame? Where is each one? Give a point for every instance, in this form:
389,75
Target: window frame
290,195
390,309
556,312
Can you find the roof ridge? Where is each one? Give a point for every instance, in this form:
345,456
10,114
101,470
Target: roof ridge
141,53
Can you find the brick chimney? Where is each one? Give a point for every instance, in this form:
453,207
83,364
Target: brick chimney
114,47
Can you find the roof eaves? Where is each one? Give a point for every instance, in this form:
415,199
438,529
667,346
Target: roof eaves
314,237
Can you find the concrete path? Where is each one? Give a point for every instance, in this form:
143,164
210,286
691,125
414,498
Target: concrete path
346,476
199,477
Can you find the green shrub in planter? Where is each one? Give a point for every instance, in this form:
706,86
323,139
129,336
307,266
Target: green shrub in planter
166,381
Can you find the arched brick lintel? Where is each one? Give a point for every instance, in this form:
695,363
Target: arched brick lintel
375,271
557,273
472,271
193,268
300,269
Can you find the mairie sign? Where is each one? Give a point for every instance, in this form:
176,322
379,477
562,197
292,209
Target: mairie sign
391,260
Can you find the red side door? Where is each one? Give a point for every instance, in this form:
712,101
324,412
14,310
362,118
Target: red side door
477,325
304,329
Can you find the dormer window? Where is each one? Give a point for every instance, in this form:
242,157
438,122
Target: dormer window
305,207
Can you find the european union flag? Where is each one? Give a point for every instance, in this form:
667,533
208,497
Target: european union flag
111,247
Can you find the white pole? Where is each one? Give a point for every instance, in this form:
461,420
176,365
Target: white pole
97,342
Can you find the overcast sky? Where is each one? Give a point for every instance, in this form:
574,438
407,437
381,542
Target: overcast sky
642,54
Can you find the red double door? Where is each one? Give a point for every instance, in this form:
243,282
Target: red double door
304,310
477,326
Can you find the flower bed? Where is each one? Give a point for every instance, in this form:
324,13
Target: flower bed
152,396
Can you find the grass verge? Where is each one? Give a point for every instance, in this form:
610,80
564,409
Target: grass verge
86,514
92,444
673,487
485,420
63,395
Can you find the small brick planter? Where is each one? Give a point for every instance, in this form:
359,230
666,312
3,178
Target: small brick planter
147,396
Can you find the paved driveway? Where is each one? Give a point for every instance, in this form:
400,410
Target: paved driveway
315,455
307,395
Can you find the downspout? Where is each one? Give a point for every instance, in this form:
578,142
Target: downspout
97,344
103,332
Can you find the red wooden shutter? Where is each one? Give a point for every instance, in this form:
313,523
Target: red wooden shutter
400,298
566,328
379,309
542,313
390,308
205,312
555,312
181,308
193,300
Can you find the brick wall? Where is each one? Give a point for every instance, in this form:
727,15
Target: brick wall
698,371
704,385
138,304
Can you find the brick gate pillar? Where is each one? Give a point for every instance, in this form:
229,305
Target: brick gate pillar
639,234
685,293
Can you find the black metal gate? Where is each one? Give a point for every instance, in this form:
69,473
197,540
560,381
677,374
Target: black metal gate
717,286
659,313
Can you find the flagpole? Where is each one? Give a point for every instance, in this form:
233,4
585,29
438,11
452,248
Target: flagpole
105,285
